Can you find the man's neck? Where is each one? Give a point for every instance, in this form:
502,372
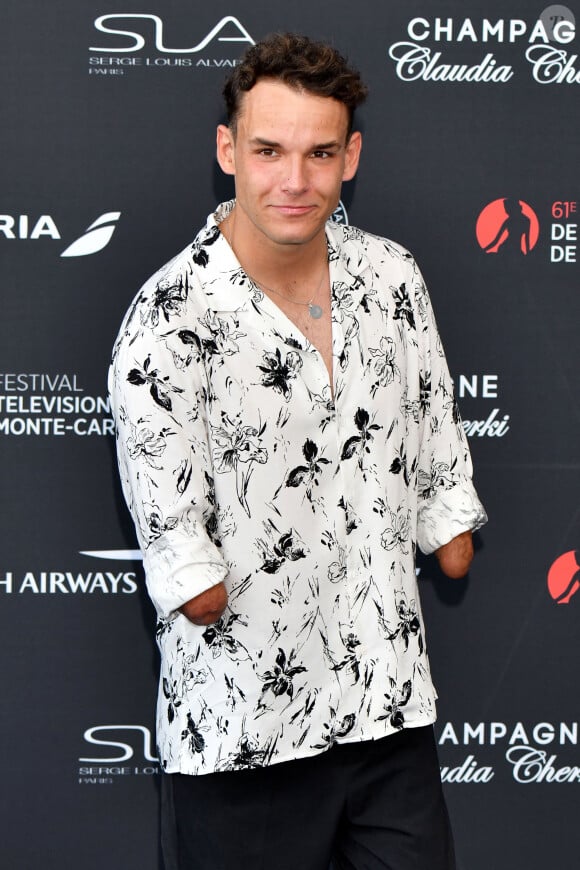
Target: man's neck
274,264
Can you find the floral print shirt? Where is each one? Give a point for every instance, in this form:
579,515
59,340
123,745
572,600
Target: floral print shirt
239,464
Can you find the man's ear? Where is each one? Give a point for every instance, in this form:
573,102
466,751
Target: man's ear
352,156
225,149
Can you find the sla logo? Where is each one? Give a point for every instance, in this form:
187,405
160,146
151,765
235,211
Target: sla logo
124,751
139,742
236,29
507,225
564,577
96,236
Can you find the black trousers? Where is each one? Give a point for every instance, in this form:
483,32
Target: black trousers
376,805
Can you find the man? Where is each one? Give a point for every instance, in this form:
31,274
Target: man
287,434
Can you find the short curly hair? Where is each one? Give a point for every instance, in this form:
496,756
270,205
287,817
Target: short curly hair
301,63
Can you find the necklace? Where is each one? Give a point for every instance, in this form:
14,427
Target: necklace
315,311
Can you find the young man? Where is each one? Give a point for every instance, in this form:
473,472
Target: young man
287,435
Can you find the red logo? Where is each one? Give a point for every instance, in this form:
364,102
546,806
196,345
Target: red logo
564,577
506,225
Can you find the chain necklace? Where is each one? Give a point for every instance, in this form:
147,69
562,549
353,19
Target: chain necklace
315,311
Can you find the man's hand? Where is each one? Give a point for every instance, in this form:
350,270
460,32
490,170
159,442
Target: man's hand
455,557
206,608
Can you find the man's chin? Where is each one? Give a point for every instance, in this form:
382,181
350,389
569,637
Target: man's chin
290,241
295,235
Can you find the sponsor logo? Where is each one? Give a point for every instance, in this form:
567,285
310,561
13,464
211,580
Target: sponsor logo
511,227
420,63
115,555
494,733
44,404
556,23
96,237
116,752
564,577
128,34
73,582
484,386
507,224
564,231
424,54
339,215
523,748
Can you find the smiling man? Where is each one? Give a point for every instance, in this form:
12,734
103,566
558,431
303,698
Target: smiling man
287,436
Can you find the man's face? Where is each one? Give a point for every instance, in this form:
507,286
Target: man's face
289,155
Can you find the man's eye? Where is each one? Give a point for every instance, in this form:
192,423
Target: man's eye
322,154
267,152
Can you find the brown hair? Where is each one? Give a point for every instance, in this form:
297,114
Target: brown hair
301,63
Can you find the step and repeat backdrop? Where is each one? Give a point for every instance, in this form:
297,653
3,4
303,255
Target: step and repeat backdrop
470,159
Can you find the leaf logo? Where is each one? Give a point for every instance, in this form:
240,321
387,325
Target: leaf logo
95,238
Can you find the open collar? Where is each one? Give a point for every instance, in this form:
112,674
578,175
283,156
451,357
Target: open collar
228,288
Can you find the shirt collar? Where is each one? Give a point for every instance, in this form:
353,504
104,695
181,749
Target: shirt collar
228,288
224,282
350,268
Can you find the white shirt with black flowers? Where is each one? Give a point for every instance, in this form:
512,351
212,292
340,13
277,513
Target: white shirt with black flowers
239,465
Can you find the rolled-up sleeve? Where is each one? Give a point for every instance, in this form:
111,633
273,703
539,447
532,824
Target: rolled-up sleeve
448,503
156,399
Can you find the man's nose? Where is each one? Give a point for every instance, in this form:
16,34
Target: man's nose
296,175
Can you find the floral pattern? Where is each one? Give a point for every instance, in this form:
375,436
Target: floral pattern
242,463
278,374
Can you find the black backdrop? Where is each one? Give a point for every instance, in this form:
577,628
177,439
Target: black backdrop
118,129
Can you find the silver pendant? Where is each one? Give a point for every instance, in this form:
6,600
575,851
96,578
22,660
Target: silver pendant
315,311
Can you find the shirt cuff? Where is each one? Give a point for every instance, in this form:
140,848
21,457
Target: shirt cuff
174,574
447,514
